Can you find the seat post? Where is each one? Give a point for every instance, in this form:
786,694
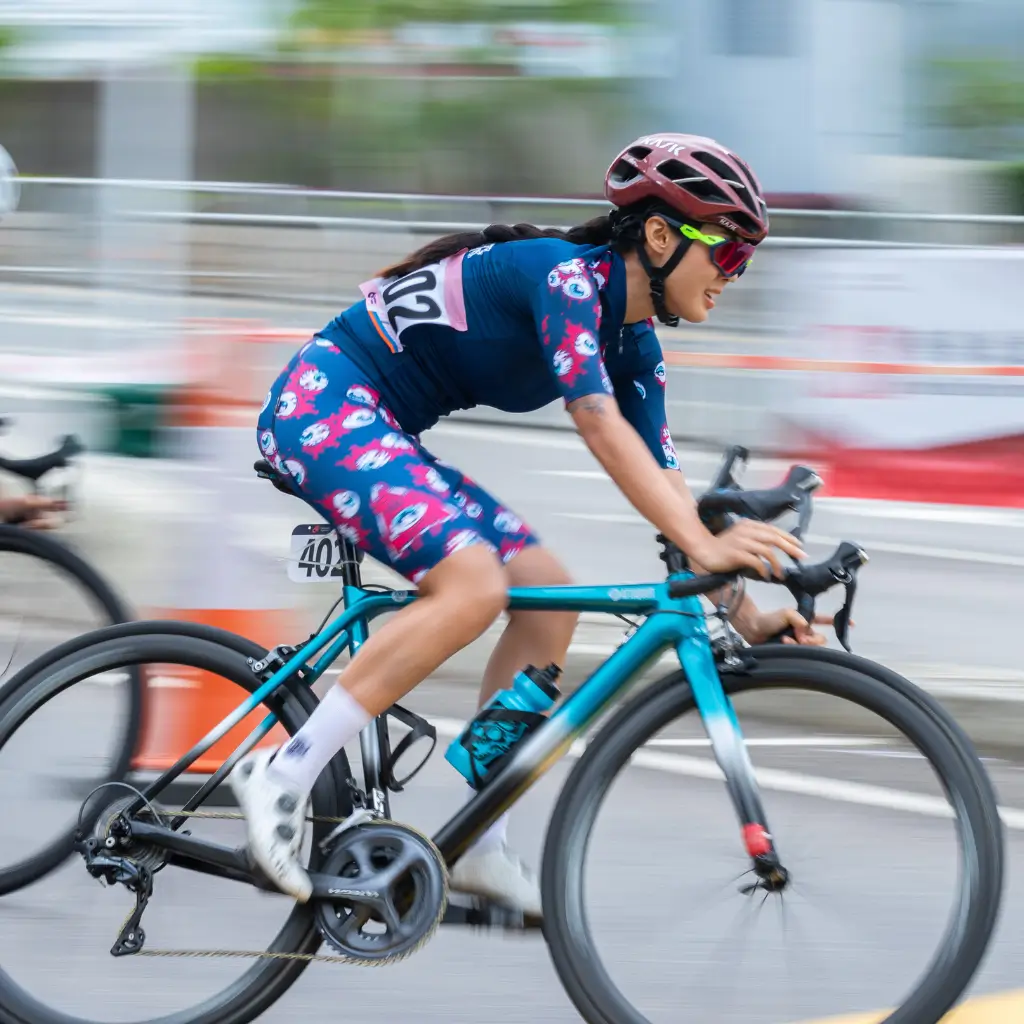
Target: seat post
351,556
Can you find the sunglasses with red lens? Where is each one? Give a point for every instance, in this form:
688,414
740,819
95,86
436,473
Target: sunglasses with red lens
729,256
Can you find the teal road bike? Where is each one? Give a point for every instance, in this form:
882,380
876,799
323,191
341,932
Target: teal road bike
380,888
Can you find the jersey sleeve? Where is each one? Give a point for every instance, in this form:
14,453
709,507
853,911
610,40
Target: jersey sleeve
637,371
567,309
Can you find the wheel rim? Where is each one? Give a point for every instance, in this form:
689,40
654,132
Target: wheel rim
583,965
266,979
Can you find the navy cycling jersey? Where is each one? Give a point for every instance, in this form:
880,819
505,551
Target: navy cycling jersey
513,326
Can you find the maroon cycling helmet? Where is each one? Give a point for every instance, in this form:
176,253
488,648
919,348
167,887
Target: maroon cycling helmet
696,178
700,179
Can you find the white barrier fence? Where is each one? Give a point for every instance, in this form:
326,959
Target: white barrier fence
178,247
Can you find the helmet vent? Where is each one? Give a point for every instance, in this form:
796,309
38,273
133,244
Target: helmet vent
728,174
623,173
693,181
755,191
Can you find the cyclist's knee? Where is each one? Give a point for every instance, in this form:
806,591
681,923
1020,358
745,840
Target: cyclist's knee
471,583
536,566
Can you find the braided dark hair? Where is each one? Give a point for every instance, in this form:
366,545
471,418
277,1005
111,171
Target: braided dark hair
620,227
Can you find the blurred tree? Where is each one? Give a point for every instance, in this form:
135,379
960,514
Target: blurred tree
359,15
983,101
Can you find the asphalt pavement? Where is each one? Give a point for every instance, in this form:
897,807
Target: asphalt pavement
872,891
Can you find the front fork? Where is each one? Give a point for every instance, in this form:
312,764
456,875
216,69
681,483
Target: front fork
730,750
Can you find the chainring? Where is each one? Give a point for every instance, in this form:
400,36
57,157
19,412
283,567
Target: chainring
391,893
143,854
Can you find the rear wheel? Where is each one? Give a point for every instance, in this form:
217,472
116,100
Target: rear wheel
115,703
964,795
250,919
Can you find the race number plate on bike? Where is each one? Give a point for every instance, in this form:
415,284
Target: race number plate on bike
316,555
431,295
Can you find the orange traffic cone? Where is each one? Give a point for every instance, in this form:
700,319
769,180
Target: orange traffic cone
215,580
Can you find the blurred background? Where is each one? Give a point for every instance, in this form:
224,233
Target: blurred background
197,187
190,189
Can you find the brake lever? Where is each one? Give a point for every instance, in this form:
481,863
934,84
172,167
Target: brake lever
807,584
806,481
841,621
724,478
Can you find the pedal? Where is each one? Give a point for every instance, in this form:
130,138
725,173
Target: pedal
481,913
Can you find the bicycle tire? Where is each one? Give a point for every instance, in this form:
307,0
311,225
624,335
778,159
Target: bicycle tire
41,863
18,540
268,979
915,714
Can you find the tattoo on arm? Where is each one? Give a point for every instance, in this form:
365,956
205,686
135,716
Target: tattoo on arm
596,404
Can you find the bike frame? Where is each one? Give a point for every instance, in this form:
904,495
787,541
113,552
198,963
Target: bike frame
673,620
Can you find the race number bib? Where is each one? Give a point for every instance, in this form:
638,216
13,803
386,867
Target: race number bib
316,554
430,295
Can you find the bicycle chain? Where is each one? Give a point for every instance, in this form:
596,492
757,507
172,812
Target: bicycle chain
258,954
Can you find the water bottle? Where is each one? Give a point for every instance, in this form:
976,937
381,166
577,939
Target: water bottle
500,724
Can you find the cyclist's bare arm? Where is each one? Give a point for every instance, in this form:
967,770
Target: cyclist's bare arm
668,505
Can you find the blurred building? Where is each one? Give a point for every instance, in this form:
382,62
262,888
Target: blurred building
829,98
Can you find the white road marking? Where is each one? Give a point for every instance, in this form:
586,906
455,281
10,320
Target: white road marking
559,440
567,440
84,320
594,474
926,551
782,781
866,507
780,741
605,517
920,512
913,550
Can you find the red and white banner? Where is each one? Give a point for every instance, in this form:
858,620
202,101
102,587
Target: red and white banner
912,373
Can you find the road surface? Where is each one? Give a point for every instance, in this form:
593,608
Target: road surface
872,890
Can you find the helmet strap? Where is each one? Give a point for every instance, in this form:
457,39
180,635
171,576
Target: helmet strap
657,276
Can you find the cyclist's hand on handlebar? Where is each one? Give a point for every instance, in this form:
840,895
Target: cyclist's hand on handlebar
33,511
769,625
787,625
748,544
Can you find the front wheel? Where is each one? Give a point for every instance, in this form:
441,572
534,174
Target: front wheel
599,871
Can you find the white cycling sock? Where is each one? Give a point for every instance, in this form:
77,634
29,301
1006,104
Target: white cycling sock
495,837
337,720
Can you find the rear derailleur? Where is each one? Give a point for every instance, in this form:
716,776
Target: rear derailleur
113,857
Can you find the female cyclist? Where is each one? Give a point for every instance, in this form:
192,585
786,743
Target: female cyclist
513,318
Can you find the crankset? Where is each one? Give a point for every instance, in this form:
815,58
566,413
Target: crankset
379,894
388,895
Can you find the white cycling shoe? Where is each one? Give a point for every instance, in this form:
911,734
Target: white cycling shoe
275,817
500,876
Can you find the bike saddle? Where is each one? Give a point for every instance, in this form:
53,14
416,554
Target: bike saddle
38,466
265,471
